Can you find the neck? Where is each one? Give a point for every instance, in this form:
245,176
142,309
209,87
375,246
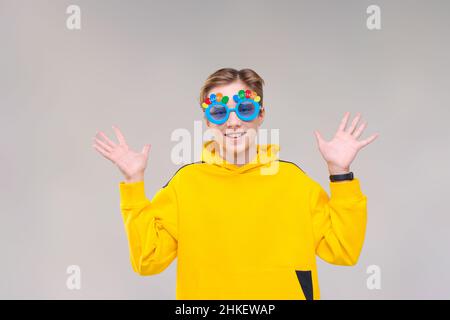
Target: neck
241,158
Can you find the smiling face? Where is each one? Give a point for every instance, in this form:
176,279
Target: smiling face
236,137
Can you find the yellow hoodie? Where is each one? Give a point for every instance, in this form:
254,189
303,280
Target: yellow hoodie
249,232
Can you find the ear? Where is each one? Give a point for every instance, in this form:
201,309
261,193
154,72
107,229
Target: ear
262,114
208,123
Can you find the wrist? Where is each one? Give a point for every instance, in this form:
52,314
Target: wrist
134,179
333,170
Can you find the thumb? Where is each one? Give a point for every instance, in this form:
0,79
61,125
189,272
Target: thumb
146,150
319,137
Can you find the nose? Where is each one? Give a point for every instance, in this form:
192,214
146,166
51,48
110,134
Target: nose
233,120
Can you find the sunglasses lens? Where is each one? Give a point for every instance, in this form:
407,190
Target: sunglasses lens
218,112
246,109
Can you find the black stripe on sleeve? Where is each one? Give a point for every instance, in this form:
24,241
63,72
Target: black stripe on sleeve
180,169
293,164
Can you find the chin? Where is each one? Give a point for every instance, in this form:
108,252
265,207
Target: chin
238,150
236,146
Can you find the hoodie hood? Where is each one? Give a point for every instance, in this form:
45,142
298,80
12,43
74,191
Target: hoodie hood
265,155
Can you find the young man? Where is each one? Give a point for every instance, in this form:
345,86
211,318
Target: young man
243,223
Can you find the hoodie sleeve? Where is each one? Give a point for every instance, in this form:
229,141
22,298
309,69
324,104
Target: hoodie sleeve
339,222
151,226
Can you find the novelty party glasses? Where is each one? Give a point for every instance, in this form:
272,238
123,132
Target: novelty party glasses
247,106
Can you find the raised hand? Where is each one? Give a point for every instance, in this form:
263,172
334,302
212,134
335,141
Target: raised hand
342,149
131,163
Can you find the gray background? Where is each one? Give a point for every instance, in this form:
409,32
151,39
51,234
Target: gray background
140,65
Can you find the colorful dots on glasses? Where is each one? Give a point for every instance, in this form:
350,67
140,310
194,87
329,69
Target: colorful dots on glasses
247,94
215,98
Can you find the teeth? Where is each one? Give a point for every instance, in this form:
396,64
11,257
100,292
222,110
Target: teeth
235,135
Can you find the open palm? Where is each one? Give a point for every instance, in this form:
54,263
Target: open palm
340,151
131,163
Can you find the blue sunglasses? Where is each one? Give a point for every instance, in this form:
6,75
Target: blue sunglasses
247,107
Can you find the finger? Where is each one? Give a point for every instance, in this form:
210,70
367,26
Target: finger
146,150
344,121
102,151
107,140
360,129
119,136
354,123
365,142
102,144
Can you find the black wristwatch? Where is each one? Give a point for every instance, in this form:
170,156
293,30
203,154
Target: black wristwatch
341,177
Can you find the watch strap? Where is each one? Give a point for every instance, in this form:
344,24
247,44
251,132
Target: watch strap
341,177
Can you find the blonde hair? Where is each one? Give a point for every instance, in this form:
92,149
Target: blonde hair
226,76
